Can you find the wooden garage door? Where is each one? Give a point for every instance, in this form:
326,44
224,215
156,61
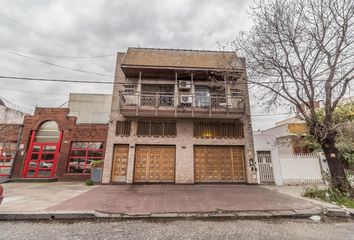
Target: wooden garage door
120,162
154,164
219,164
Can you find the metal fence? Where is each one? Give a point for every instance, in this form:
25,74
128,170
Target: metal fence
300,169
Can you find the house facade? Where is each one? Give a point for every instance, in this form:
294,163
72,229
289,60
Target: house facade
63,143
10,128
179,116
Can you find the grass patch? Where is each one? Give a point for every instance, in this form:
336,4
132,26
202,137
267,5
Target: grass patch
329,195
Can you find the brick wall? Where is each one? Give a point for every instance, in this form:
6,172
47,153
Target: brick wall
71,132
9,132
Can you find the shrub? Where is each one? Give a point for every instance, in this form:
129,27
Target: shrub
89,182
329,195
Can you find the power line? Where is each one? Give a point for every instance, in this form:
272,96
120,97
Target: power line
55,56
48,39
59,66
115,82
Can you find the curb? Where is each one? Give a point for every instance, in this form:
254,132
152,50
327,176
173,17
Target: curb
220,214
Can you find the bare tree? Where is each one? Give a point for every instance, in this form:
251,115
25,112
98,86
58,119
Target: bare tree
301,51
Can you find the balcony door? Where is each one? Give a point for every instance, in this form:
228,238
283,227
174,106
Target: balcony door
43,151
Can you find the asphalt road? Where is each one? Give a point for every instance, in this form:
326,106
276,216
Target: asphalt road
179,229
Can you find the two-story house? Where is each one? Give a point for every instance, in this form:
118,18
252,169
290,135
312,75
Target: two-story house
179,116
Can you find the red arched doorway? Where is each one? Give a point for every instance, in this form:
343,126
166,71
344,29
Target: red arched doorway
43,151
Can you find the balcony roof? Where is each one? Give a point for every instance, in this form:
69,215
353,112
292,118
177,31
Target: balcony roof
150,59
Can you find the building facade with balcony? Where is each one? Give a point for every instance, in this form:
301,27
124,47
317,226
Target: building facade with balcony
179,116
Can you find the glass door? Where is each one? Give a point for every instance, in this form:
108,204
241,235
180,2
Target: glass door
43,152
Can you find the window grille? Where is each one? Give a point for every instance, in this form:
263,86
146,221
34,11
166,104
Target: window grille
123,128
218,130
156,128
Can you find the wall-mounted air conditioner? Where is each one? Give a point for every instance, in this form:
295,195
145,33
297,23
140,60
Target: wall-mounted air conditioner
184,84
186,99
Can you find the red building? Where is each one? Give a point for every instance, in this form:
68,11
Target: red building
62,143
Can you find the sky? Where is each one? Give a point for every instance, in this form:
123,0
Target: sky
66,39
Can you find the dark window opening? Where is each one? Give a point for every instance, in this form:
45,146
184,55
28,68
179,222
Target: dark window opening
123,128
156,128
218,130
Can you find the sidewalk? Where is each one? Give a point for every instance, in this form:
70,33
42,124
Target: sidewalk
32,197
77,201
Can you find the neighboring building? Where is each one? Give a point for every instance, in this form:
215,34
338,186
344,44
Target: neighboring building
54,145
10,128
179,116
282,157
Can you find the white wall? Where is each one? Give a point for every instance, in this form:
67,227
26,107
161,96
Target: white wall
90,108
10,116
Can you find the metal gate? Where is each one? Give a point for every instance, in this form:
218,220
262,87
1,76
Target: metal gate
265,167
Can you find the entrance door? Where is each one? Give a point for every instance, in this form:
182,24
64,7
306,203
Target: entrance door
154,163
43,151
41,160
265,167
120,163
219,164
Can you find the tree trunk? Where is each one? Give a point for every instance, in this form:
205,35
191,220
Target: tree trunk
336,168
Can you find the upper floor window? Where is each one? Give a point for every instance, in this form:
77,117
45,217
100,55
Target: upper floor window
205,129
129,89
156,128
123,128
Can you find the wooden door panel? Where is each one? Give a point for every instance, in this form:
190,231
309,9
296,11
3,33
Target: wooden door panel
155,164
120,162
218,164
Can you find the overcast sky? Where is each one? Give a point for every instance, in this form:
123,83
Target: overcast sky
61,31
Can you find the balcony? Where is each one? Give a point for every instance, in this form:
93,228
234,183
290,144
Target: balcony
181,105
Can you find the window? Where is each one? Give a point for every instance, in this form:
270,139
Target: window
48,132
156,128
83,154
236,92
129,89
123,128
218,130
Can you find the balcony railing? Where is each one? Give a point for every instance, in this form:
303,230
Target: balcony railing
181,104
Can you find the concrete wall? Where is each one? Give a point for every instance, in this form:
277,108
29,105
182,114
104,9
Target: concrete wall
90,108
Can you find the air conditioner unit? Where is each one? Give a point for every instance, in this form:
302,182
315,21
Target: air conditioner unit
186,99
184,84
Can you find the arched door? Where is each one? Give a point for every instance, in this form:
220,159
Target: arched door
43,151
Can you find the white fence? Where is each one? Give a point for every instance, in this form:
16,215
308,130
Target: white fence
300,169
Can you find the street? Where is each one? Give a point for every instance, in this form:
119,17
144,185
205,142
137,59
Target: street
178,229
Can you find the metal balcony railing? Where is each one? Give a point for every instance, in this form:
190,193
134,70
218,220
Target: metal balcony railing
181,101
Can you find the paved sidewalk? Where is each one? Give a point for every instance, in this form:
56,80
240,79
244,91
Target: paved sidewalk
32,197
145,199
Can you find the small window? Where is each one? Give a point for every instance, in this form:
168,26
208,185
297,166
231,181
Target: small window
218,130
156,128
123,128
82,156
128,89
236,92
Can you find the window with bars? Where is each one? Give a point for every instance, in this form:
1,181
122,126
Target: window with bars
82,156
218,130
123,128
156,128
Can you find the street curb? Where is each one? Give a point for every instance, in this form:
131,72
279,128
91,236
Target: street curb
220,214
